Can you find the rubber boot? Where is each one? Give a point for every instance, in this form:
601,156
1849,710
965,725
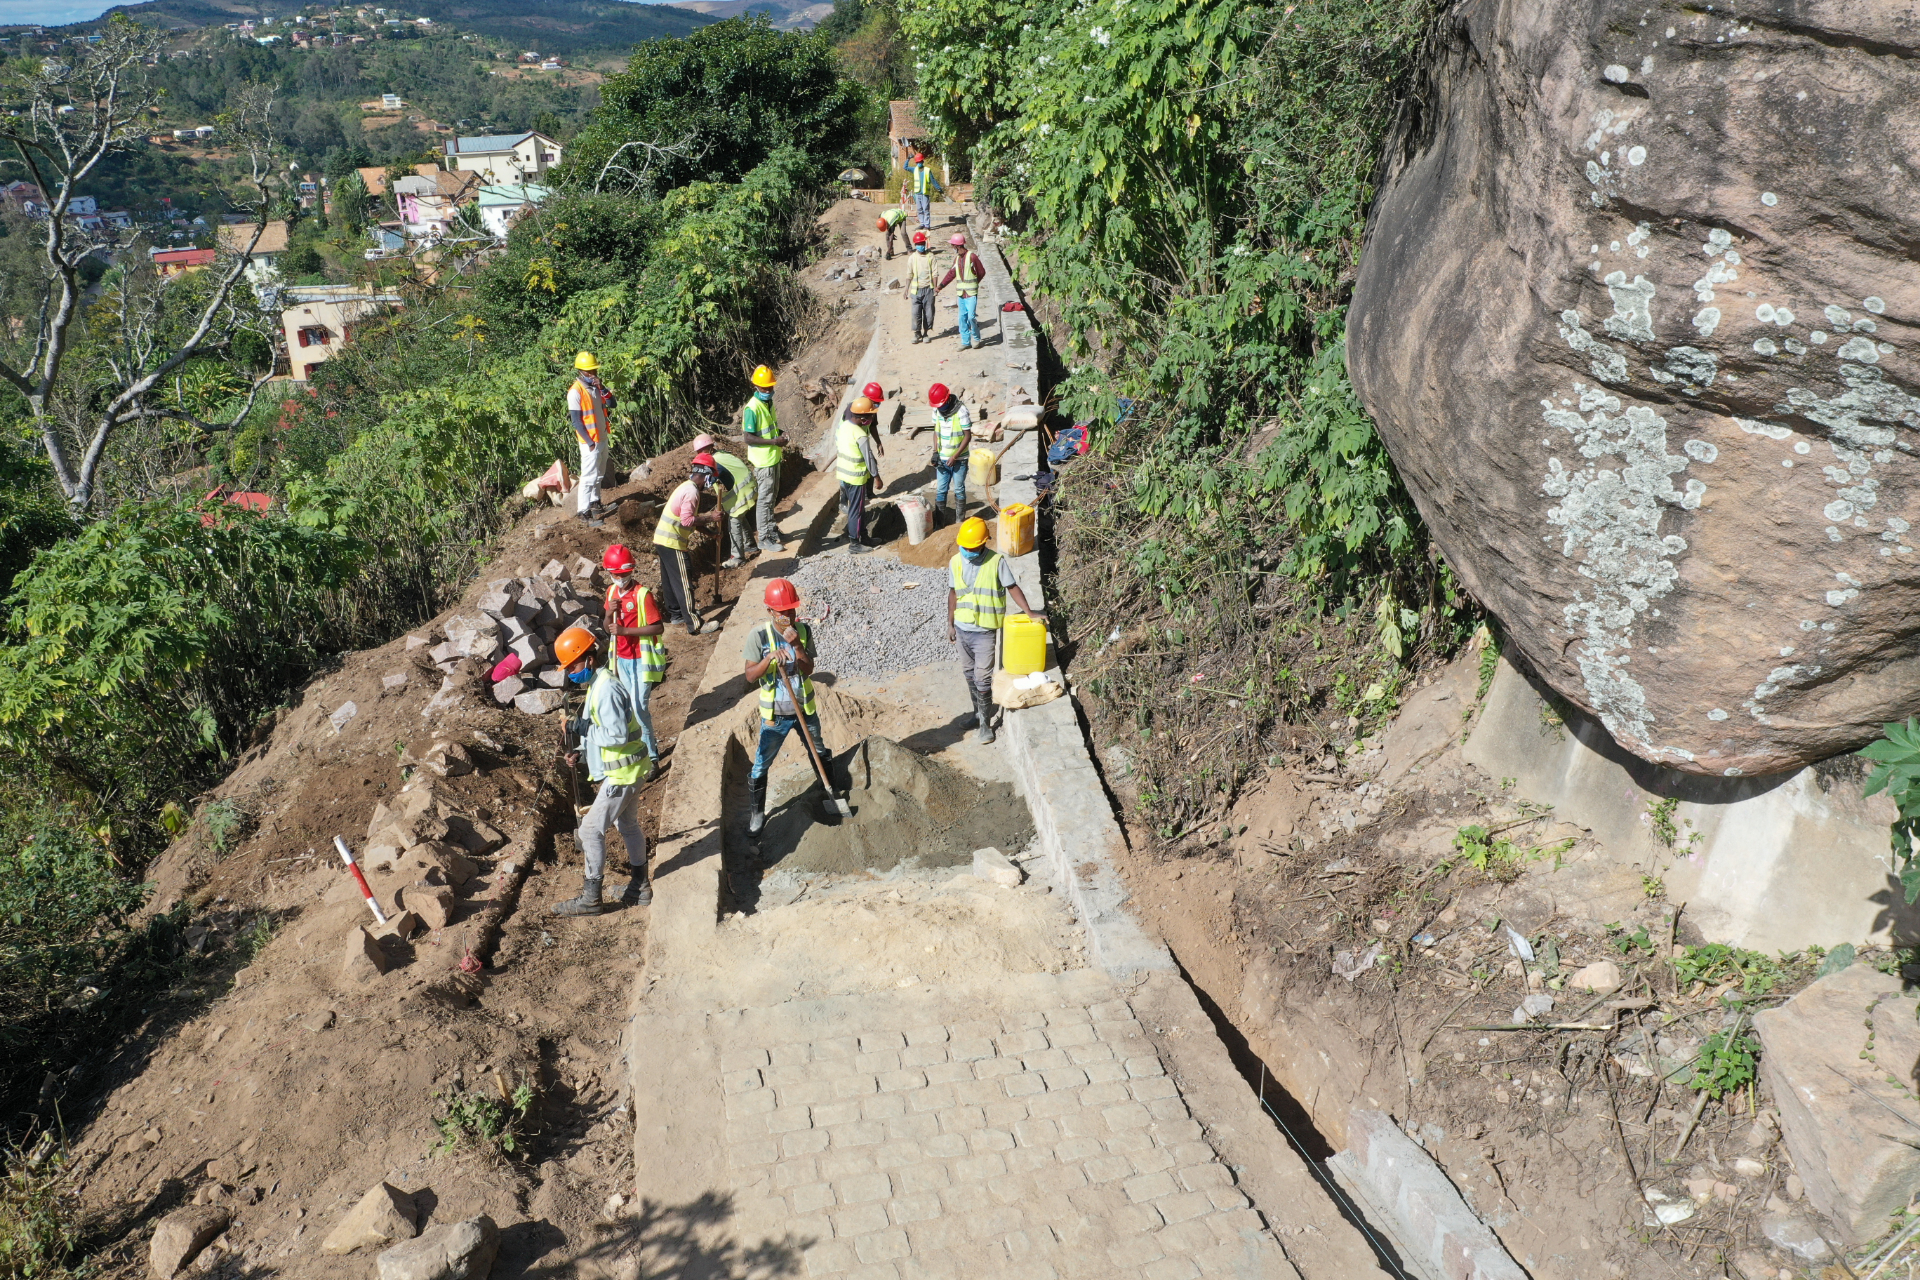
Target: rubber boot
639,889
587,904
983,709
756,806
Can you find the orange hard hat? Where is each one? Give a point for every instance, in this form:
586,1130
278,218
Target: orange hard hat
879,224
938,394
573,642
874,392
781,596
617,559
860,405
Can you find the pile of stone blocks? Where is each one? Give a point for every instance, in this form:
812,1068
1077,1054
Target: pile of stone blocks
523,616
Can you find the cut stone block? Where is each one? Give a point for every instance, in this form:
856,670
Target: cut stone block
554,571
394,682
434,904
553,678
505,691
495,604
538,702
363,960
991,864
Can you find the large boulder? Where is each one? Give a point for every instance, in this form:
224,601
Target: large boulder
1636,318
456,1251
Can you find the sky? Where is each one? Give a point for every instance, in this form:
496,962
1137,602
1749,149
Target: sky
54,13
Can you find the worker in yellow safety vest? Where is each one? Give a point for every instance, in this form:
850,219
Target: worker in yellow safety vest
681,513
857,468
979,583
608,736
967,272
737,490
920,287
920,174
590,406
765,448
952,438
892,221
635,622
787,642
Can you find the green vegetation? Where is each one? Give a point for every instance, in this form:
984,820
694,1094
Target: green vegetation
1189,184
1725,1065
1714,963
1896,770
476,1118
37,1234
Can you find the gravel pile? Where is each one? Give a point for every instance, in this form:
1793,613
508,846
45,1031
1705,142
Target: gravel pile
867,621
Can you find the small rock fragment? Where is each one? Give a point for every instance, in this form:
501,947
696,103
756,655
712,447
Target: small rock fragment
394,682
1794,1234
505,691
385,1214
317,1021
456,1251
539,702
181,1236
991,864
1534,1006
345,712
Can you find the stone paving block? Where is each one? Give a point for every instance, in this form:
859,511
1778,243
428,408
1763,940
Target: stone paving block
1067,1016
854,1085
1183,1206
935,1034
1187,1237
914,1208
966,1199
927,1177
1167,1110
788,1119
1109,1168
1062,1102
755,1103
988,1164
806,1142
1045,1060
978,1093
1073,1149
935,1097
864,1187
861,1133
895,1081
1105,1072
805,1094
1064,1078
883,1106
949,1072
881,1041
989,1140
1145,1065
1152,1160
877,1062
912,1128
857,1220
787,1055
1150,1186
1023,1020
745,1155
1065,1035
962,1119
1098,1204
1059,1177
916,1056
836,1113
844,1164
1004,1115
1135,1251
811,1198
740,1081
988,1068
1236,1224
796,1173
1025,1160
1187,1153
1081,1055
787,1075
1111,1011
1036,1133
944,1146
829,1258
1227,1198
1105,1095
1008,1190
1127,1115
1205,1177
833,1049
744,1060
1023,1085
970,1048
897,1155
874,1271
1152,1088
1014,1044
1170,1269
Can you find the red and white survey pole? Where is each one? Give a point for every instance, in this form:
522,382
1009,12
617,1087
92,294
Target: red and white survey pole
346,856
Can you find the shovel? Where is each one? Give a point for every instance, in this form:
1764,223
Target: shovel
838,804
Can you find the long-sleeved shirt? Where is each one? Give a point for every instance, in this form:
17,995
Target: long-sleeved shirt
611,722
979,272
684,504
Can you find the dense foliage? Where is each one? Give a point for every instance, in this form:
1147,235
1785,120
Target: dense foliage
1189,179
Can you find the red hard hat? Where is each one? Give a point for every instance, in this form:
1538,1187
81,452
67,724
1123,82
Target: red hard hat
919,237
781,596
705,460
617,559
937,394
874,392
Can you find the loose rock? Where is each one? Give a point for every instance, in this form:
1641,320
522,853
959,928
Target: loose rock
364,959
1794,1234
181,1236
538,702
1602,978
991,864
384,1214
456,1251
434,904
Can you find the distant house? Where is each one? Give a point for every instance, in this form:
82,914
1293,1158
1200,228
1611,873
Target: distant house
385,102
503,205
388,238
25,198
177,262
504,158
322,319
82,207
430,198
375,179
551,64
263,262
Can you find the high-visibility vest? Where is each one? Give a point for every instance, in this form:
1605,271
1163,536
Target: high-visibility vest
628,763
950,430
894,217
922,179
757,419
850,466
740,487
770,680
965,282
653,654
592,411
668,533
982,606
920,271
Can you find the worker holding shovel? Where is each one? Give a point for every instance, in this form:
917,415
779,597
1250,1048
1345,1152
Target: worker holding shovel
610,739
779,657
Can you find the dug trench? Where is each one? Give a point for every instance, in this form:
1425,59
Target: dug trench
343,1058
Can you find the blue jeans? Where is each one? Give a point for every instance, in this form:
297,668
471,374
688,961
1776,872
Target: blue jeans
952,473
773,735
924,203
969,330
627,672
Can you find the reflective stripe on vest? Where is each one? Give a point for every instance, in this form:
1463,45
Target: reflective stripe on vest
757,419
625,764
653,654
850,466
589,410
669,533
770,681
922,179
966,282
983,605
740,487
920,271
950,431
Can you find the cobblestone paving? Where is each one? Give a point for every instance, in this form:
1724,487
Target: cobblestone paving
1042,1144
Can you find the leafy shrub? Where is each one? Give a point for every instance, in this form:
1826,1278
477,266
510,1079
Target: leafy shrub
37,1231
227,825
1725,1065
480,1119
1714,963
1896,768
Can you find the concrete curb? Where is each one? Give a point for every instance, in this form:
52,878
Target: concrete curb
1404,1190
1053,763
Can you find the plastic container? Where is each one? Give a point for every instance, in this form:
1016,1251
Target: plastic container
918,512
982,469
1015,529
1023,646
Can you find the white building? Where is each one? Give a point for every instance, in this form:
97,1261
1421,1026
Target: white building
506,158
503,205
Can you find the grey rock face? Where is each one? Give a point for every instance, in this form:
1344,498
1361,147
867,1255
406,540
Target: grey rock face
1637,319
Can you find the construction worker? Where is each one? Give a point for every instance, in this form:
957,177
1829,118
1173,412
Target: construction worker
681,513
736,478
590,406
789,640
636,624
952,439
920,287
979,583
924,184
606,735
967,270
856,468
765,448
893,220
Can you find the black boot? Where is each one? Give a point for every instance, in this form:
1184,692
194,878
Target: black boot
587,904
983,709
639,889
756,806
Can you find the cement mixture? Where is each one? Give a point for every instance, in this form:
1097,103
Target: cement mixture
907,810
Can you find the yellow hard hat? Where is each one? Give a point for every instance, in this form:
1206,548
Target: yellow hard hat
973,533
763,377
573,642
586,360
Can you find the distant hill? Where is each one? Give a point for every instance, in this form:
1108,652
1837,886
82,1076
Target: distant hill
551,26
787,15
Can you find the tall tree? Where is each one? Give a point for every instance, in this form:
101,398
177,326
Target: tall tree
75,115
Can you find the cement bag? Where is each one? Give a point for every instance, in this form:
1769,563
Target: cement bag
1018,692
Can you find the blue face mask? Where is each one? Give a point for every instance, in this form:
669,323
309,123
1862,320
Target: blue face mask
581,676
974,555
763,394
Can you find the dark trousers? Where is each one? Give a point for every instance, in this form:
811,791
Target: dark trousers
676,588
853,505
923,313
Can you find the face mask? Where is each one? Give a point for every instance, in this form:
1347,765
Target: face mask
763,395
581,676
974,554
